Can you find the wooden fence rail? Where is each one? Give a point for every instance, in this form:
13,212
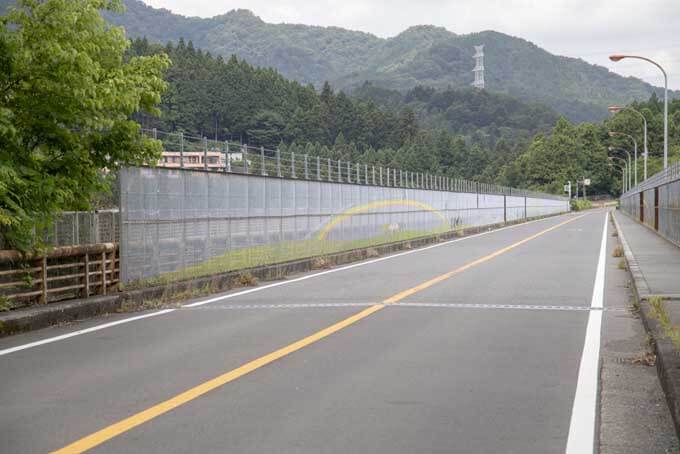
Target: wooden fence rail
63,273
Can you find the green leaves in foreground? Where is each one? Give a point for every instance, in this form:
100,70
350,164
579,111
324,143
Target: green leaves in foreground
67,92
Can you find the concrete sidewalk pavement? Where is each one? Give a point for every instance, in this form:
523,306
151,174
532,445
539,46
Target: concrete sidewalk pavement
656,267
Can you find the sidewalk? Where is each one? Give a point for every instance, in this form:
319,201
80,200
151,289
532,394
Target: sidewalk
656,259
654,265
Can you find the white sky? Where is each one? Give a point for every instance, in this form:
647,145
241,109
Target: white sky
588,29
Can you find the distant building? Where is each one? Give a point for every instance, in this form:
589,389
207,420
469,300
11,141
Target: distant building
479,67
195,159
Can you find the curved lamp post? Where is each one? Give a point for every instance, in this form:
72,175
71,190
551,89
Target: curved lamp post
645,153
630,167
619,57
622,134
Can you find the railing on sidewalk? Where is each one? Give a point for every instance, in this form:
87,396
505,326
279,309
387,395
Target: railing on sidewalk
656,203
62,273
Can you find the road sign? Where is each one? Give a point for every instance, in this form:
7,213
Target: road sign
586,181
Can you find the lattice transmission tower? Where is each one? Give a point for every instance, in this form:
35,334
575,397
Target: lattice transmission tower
479,67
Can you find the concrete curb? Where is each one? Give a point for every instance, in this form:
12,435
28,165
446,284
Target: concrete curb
36,317
668,358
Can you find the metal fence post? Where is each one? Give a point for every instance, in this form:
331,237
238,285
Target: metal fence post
181,150
381,176
244,154
349,172
388,176
358,174
318,168
330,170
339,171
227,155
263,170
278,163
306,168
373,172
205,153
292,165
366,173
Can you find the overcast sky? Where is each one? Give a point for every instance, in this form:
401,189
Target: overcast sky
588,29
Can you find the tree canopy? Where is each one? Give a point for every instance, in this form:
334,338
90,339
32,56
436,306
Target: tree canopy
68,90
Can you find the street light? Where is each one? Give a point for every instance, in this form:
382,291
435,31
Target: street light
630,167
616,58
616,109
623,171
621,134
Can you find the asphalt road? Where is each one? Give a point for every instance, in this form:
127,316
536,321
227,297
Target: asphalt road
441,366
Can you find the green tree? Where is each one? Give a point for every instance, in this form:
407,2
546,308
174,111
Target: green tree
67,94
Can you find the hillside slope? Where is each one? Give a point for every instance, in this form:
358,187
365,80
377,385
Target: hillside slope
421,55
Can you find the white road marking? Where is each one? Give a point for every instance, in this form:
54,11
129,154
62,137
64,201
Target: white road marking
581,439
50,340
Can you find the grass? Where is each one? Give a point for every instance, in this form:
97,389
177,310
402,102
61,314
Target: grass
635,306
622,265
618,252
245,258
658,312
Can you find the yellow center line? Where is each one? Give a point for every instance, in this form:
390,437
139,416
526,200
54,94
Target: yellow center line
120,427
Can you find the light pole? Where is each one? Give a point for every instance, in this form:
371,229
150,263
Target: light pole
623,176
623,172
630,167
616,58
645,154
621,134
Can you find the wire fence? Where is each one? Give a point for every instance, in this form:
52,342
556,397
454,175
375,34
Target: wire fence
72,228
656,202
181,151
183,223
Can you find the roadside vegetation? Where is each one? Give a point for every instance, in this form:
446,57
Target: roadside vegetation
580,204
658,312
250,257
68,92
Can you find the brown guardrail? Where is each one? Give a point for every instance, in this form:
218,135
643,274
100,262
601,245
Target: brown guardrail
62,273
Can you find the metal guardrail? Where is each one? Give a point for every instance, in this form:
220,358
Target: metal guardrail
63,273
656,203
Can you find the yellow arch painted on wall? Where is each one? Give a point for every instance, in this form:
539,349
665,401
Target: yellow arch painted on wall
378,204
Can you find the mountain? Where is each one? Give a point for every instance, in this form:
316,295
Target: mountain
421,55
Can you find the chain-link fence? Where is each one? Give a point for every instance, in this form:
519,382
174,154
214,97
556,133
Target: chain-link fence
179,223
72,228
656,202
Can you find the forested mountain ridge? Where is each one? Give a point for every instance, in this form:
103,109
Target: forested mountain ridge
421,55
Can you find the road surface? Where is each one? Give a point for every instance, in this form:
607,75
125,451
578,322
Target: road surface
474,345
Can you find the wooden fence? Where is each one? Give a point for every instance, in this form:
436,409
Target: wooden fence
63,273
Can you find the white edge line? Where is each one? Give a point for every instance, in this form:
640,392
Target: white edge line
581,439
50,340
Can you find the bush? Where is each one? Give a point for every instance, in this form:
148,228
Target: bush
580,204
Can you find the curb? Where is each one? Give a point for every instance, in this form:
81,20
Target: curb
667,356
36,317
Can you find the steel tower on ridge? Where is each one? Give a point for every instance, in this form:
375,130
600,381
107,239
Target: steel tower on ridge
479,67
